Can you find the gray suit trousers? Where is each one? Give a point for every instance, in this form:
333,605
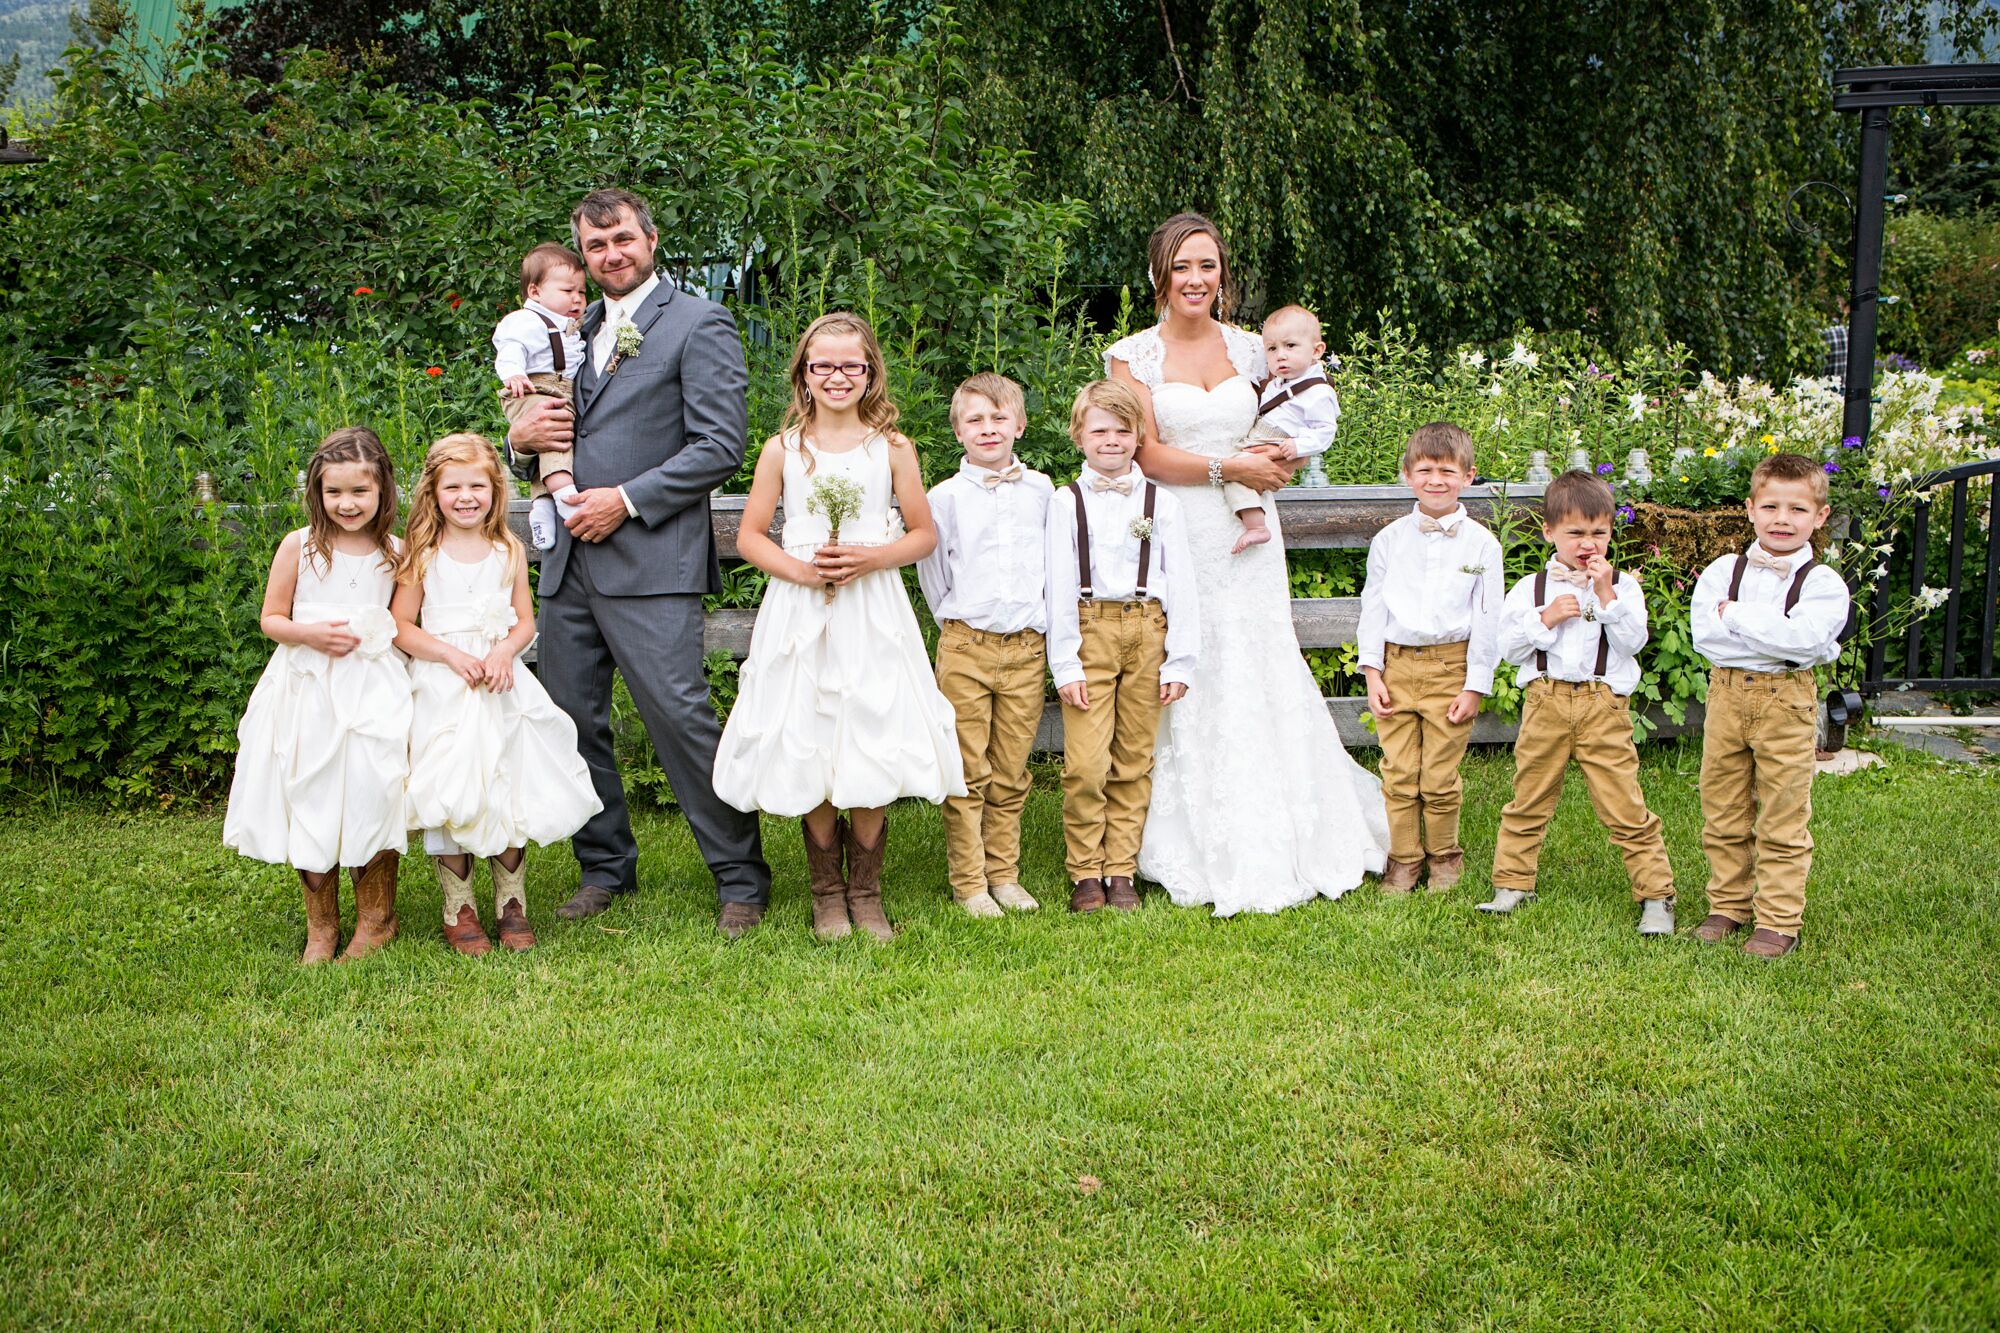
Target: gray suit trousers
655,642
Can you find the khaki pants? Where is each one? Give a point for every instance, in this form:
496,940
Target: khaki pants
1420,750
994,682
1756,795
1108,751
516,408
1561,720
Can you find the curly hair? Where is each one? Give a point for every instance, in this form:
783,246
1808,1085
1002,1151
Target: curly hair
350,444
427,521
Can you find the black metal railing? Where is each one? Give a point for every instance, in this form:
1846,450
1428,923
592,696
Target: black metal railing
1961,664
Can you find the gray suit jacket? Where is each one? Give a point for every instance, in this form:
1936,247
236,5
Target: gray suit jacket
669,426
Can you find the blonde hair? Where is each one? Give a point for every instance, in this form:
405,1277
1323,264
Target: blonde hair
1439,441
349,444
996,389
427,521
1166,242
1111,396
545,258
876,411
1791,467
1293,312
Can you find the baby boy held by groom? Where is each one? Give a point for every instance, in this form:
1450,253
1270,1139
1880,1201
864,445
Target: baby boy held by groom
539,350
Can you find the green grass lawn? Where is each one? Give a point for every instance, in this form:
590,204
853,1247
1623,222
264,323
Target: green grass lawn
1363,1113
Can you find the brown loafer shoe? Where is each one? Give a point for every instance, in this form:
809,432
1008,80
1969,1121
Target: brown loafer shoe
588,900
513,927
1087,896
1400,876
737,919
1765,943
1121,893
466,934
1444,872
1715,928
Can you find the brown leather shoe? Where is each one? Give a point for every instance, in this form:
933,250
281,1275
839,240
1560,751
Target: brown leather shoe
1400,876
466,934
738,919
1766,943
322,916
1121,893
374,905
513,927
864,883
1715,928
588,900
1444,872
1087,896
828,884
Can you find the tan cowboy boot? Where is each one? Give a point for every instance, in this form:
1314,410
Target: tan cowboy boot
322,917
510,904
462,930
829,886
374,905
864,883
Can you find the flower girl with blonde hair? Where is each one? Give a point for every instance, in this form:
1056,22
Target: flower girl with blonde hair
493,762
837,709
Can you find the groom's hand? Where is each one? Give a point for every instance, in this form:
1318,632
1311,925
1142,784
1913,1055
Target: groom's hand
547,425
599,511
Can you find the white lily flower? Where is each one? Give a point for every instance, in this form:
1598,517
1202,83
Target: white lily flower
1637,402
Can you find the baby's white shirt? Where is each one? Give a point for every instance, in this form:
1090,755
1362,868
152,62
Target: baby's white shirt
1308,418
521,343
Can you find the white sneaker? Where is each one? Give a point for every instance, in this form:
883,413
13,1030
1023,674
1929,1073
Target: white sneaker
1505,900
1656,917
1014,896
981,905
542,523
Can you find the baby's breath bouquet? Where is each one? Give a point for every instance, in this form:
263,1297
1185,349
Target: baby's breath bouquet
835,499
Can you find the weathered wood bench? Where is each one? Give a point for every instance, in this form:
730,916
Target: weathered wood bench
1312,518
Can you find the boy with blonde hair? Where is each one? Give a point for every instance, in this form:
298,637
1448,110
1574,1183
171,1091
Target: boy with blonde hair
987,588
1429,639
1574,630
1764,619
1123,634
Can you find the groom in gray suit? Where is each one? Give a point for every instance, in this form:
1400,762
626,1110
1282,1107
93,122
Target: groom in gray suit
658,424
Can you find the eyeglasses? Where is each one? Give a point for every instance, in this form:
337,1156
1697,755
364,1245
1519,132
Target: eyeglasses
820,370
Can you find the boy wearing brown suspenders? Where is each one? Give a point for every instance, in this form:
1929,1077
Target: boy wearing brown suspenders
1764,619
1573,632
1123,634
538,349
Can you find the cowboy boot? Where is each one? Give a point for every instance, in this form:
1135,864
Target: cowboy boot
462,930
322,917
829,886
374,904
864,882
510,903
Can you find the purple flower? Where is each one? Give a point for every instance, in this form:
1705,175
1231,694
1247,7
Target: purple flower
1882,491
1851,442
1833,467
1624,513
1604,469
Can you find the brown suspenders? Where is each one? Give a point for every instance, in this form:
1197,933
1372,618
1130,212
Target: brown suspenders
1084,582
1603,639
555,340
1292,390
1791,595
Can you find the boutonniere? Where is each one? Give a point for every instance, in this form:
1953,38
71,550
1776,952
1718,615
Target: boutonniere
1472,569
1142,528
626,341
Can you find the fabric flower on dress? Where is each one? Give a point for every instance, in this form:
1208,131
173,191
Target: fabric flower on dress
376,629
496,616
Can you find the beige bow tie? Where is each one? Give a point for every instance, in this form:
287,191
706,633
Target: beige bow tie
1122,485
573,326
995,480
1562,573
1425,523
1776,564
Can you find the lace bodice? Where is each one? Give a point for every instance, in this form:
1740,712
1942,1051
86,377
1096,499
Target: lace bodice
1210,422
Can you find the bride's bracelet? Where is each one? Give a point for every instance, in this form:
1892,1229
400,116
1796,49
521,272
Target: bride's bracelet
1215,472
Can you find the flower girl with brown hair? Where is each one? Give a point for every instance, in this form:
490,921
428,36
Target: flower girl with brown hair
493,763
837,708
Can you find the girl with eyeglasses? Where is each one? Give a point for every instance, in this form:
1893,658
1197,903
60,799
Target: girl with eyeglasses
836,708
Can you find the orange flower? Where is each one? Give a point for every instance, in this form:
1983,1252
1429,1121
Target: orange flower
455,299
364,291
434,371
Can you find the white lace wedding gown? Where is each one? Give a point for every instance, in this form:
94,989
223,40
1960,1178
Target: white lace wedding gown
1256,804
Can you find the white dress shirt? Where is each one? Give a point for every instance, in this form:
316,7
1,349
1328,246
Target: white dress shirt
1572,645
618,310
521,344
1114,568
1428,588
1308,420
989,567
1755,634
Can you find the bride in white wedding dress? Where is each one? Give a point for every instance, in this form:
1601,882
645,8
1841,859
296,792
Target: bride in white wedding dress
1256,804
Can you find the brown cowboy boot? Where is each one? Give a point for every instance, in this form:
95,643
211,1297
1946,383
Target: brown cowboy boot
864,883
462,930
510,904
374,905
1121,893
322,917
829,886
1087,895
1400,876
1445,871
